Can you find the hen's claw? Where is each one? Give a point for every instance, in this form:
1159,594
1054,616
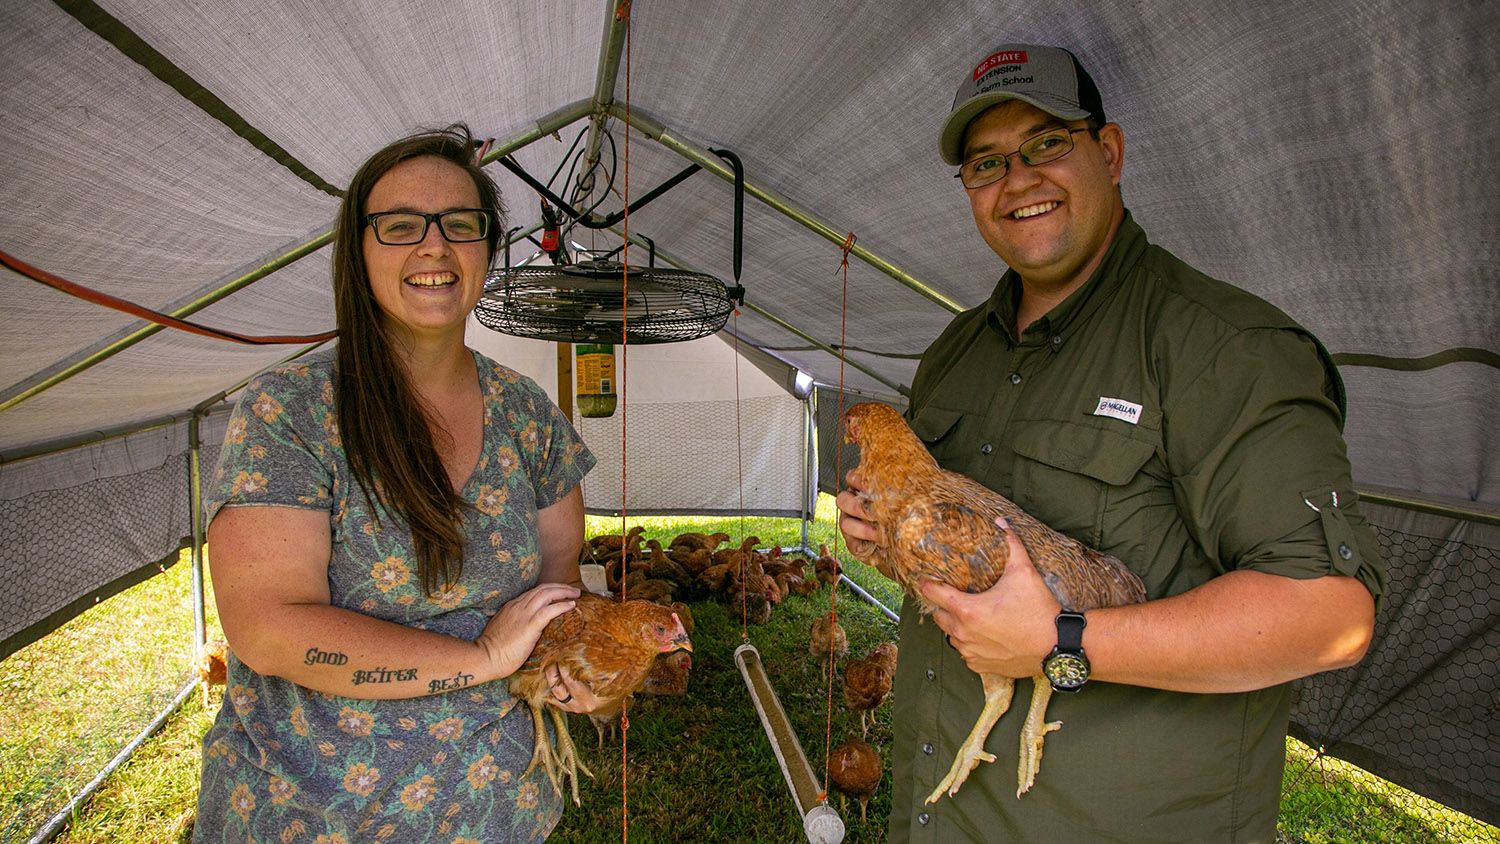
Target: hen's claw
1033,733
997,695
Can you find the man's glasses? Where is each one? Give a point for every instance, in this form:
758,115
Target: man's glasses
403,228
991,167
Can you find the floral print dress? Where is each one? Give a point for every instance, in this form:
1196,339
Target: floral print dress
283,763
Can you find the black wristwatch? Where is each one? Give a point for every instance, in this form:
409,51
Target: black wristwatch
1066,667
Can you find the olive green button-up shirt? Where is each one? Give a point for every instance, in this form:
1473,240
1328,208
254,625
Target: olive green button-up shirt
1185,427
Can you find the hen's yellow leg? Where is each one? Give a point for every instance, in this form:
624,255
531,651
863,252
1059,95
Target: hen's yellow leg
567,754
1032,735
997,694
542,753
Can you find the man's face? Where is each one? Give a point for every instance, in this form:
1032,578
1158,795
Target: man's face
1053,222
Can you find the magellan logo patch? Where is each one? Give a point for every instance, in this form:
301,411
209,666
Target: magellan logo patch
1119,409
1017,57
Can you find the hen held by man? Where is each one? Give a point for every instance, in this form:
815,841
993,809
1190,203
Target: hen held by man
939,525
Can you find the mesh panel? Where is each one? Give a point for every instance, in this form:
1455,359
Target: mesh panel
692,466
1420,709
833,455
63,548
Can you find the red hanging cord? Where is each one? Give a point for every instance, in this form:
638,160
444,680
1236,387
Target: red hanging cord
98,298
838,464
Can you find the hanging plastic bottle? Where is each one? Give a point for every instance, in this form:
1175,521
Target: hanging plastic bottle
596,379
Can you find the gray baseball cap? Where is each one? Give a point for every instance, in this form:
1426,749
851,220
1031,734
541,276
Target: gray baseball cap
1049,78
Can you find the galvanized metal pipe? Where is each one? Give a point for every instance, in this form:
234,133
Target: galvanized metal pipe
820,822
604,85
655,130
58,821
871,599
195,499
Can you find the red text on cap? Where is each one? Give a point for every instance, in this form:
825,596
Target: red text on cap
1002,57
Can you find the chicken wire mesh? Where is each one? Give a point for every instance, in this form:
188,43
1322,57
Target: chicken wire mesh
1422,708
66,548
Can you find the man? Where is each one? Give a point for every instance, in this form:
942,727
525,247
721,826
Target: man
1171,420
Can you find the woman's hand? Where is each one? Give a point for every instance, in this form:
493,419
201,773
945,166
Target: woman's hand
571,694
512,633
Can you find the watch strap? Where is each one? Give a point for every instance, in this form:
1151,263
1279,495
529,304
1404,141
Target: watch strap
1070,631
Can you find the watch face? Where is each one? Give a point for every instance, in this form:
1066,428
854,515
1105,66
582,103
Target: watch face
1066,671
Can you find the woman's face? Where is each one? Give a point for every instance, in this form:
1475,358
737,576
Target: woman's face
425,289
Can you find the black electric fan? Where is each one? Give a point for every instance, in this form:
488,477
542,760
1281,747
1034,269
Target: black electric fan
587,301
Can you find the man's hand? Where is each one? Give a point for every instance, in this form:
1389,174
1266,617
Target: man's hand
1007,629
859,533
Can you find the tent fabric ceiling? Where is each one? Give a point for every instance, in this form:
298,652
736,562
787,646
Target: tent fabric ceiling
1326,156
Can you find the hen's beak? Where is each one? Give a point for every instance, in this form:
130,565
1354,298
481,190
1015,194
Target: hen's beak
680,639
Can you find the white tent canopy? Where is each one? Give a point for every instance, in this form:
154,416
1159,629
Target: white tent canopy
1335,158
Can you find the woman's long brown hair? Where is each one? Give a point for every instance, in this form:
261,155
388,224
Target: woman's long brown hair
386,433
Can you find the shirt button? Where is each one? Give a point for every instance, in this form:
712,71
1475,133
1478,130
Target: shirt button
927,749
1015,378
931,675
1057,339
923,818
1345,551
986,448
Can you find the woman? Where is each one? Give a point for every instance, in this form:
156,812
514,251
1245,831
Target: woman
393,523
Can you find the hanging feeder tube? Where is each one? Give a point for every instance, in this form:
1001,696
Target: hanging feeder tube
820,822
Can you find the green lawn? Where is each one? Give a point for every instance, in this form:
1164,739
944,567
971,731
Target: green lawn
698,767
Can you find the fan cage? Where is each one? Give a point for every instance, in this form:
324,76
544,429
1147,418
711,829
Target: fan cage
585,303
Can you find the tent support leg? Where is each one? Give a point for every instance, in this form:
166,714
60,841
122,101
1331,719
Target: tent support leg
60,820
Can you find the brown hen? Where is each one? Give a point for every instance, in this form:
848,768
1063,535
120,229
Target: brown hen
940,525
669,674
827,636
867,682
855,768
609,646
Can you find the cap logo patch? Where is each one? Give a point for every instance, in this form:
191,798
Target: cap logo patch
1002,57
1127,411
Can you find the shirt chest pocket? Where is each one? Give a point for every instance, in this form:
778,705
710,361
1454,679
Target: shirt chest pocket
1070,476
934,426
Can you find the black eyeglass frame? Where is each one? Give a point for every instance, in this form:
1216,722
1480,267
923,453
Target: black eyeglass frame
1071,130
485,214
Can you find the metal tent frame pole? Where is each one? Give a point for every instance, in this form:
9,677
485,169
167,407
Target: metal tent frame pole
655,130
57,822
902,389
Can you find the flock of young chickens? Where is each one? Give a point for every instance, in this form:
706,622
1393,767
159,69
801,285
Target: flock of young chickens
751,582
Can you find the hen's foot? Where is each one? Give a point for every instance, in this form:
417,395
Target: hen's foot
1033,734
541,752
567,760
997,694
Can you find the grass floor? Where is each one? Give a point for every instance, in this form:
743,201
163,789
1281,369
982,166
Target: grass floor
698,767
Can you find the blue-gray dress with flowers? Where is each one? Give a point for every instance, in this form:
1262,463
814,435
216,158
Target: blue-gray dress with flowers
283,763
